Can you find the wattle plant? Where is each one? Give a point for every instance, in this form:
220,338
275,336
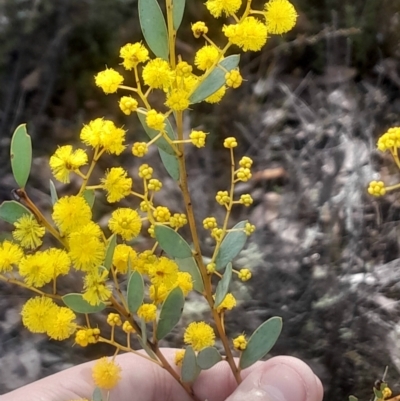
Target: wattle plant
161,277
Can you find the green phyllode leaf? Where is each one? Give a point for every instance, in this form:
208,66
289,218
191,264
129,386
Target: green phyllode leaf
231,245
53,193
90,196
171,312
97,394
148,350
208,357
112,243
189,265
135,292
172,243
215,80
352,398
261,342
154,28
178,10
151,133
171,164
143,330
11,211
223,286
79,305
190,370
21,155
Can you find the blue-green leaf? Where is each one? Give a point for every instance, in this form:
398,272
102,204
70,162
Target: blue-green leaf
53,193
189,265
223,286
143,331
208,357
261,342
11,211
171,242
97,394
190,370
21,155
112,243
154,28
135,292
179,8
90,196
231,245
171,312
215,80
151,133
79,305
148,350
170,163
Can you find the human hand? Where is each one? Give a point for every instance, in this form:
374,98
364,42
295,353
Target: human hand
282,378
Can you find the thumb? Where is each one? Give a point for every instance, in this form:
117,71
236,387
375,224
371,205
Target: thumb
287,379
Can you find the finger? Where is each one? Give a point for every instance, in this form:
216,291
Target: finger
280,379
148,382
141,380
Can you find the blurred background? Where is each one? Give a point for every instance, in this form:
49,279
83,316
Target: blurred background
325,255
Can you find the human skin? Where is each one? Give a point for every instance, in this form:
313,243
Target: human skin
282,378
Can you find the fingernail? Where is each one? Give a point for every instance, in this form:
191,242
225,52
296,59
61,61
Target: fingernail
282,383
279,383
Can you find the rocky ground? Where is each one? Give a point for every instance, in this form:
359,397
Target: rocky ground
325,255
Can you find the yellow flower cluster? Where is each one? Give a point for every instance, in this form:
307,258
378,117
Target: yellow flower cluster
114,319
228,303
249,228
178,220
10,256
240,342
244,274
127,328
128,104
106,373
179,355
84,337
199,335
103,134
199,28
228,7
161,214
246,199
28,232
280,16
117,184
96,287
125,222
133,55
124,255
65,161
376,188
233,79
139,149
230,143
223,198
249,34
198,138
209,223
42,315
109,80
390,140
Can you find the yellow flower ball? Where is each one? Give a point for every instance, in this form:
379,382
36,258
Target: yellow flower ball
106,373
199,335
